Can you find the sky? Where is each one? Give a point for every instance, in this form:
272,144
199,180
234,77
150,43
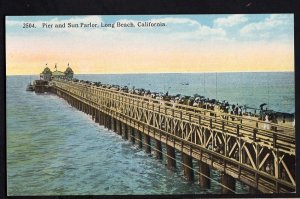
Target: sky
187,43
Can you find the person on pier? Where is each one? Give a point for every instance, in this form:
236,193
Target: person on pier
267,123
236,110
241,111
294,122
232,109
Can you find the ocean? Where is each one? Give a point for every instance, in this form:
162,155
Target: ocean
54,149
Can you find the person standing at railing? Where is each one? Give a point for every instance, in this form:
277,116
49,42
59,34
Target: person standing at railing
241,111
236,110
294,122
232,109
267,123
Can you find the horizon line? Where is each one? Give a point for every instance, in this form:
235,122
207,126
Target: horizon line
133,73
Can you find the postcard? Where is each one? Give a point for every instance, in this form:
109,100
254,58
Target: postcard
150,104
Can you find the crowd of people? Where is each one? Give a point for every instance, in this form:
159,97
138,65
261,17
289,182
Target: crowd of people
196,100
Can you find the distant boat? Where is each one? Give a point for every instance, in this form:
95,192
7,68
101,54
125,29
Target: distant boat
185,83
29,87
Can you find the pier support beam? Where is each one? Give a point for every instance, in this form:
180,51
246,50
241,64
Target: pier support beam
229,182
96,116
94,113
147,144
139,138
101,118
105,120
188,166
86,109
83,107
204,169
109,122
171,157
124,131
158,150
113,124
118,127
132,136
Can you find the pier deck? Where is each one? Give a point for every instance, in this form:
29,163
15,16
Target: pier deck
237,146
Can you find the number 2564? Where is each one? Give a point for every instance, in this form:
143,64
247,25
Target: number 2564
28,25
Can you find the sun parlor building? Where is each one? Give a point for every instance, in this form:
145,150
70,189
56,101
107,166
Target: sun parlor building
48,75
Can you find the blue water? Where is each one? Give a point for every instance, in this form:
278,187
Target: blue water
54,149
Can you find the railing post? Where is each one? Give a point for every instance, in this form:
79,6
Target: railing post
274,140
254,135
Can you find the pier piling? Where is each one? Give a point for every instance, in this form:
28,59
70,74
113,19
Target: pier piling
113,124
96,116
109,122
132,135
139,138
124,131
204,175
229,183
101,118
118,127
158,151
105,120
188,166
171,157
147,143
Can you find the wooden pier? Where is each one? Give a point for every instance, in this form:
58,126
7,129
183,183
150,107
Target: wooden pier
236,146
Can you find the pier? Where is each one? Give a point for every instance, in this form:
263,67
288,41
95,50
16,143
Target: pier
236,146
